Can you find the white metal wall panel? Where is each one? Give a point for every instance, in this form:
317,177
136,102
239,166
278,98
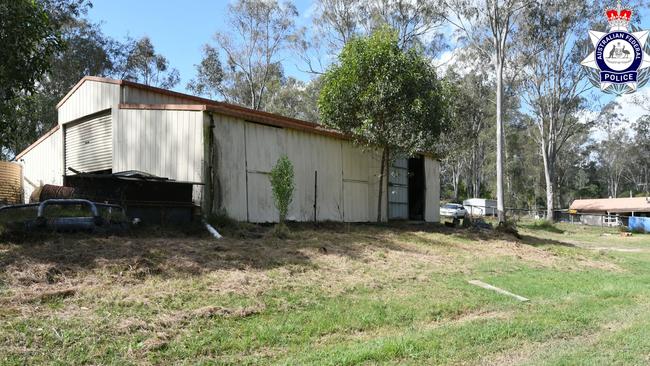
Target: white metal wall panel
161,142
89,145
43,164
357,198
309,153
432,191
245,152
91,97
356,201
229,167
264,145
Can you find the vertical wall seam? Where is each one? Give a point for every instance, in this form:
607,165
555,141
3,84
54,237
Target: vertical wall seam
248,216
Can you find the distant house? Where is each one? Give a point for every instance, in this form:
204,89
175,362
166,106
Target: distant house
610,211
481,206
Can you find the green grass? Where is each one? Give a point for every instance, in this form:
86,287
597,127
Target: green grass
334,295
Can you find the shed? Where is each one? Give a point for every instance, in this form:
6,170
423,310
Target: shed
481,206
108,126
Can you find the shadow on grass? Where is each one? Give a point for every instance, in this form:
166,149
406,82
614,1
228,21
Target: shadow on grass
536,241
189,250
186,250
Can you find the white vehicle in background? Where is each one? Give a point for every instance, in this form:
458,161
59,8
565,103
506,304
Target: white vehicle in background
453,210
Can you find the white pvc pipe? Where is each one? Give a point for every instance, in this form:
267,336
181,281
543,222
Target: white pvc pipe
213,231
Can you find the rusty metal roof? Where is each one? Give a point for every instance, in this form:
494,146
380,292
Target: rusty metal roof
632,204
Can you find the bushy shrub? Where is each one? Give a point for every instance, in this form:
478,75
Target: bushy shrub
282,183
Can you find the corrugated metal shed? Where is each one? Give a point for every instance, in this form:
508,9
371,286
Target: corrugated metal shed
168,134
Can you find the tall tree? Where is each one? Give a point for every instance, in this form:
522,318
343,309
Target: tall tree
554,80
295,98
464,147
209,75
384,97
639,173
141,63
336,22
488,25
260,30
416,21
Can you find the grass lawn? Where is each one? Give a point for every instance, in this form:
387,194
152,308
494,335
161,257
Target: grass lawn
334,295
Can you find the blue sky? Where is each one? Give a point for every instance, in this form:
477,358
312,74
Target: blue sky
178,29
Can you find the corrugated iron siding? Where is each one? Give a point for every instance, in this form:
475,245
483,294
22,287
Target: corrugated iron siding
245,153
10,183
432,191
89,145
161,142
90,98
43,164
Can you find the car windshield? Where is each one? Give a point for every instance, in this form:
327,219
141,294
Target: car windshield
453,207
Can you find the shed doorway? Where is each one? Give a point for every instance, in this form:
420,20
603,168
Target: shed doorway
417,186
406,186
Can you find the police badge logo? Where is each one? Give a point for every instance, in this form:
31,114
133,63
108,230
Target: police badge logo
619,64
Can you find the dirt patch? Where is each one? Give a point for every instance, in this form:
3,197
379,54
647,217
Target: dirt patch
456,320
183,317
158,342
614,249
49,295
538,255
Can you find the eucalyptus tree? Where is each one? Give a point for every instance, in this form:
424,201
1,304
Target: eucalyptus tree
416,21
259,32
464,147
553,81
141,63
489,26
336,22
385,98
210,74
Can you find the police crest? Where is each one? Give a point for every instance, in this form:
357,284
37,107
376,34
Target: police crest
619,64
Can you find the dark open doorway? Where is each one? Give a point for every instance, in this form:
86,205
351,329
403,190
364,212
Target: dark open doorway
416,188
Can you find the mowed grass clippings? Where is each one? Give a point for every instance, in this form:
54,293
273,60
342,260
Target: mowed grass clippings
333,294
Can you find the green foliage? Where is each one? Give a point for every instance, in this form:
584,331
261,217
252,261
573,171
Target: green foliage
384,96
258,32
282,183
28,38
143,65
